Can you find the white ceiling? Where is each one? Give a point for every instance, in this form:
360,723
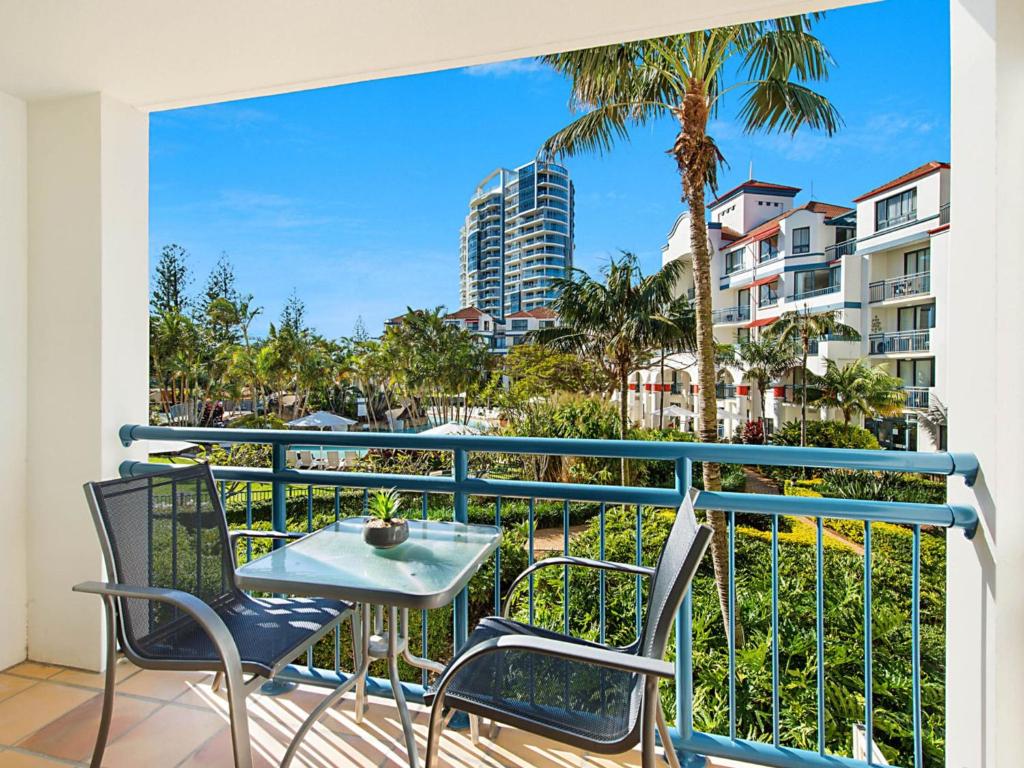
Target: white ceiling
156,54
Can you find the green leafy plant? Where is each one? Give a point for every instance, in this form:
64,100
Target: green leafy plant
384,505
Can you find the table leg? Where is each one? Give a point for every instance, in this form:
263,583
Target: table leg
360,620
396,687
364,655
409,656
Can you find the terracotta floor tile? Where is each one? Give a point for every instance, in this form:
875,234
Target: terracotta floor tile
161,685
73,735
26,712
33,669
10,685
164,739
125,669
15,760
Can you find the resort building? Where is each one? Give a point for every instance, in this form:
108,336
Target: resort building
498,335
767,257
517,237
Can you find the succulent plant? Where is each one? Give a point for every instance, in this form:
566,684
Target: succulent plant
384,505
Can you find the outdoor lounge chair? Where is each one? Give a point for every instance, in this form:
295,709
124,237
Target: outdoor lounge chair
292,459
333,460
170,609
597,698
308,461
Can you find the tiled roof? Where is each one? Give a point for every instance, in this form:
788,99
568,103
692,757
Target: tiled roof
466,313
540,313
753,185
814,206
919,172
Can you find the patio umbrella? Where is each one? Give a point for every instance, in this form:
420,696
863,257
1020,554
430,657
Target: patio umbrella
674,410
322,420
452,428
729,415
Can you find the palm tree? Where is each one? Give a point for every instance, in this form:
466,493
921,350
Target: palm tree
797,328
685,78
763,361
618,322
859,388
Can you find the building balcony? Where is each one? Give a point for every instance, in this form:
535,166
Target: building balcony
918,398
725,391
899,342
837,251
898,288
944,214
810,294
729,315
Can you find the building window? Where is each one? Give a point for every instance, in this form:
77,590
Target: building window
742,335
768,295
733,261
895,210
547,323
917,318
917,261
519,325
917,373
769,248
801,240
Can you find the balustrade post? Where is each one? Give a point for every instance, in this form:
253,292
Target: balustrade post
460,612
684,645
279,511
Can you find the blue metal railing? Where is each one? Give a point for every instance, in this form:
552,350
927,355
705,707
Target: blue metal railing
461,485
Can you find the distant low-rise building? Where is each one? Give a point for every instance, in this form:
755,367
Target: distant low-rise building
498,335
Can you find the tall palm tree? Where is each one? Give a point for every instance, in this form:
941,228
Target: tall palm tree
686,78
859,388
618,322
797,328
763,361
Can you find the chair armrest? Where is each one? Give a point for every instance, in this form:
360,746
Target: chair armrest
604,565
212,624
235,535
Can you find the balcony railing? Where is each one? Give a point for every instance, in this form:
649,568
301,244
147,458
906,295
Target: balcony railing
739,314
845,248
725,391
494,499
918,397
944,214
900,287
797,295
899,342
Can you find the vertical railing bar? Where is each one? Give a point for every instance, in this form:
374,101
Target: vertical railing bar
366,500
915,642
684,632
248,521
868,692
424,513
309,529
601,576
529,554
819,630
460,472
497,559
279,515
638,606
337,503
565,568
199,537
732,625
775,630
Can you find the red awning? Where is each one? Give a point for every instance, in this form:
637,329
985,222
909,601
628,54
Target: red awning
764,281
761,321
766,234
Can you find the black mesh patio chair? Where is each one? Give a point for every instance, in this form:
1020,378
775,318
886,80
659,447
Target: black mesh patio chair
171,600
594,697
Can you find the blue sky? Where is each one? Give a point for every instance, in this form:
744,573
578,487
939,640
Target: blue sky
353,196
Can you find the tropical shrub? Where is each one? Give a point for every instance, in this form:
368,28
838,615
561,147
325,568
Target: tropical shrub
826,434
883,486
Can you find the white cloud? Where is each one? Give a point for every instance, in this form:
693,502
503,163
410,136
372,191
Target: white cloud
508,68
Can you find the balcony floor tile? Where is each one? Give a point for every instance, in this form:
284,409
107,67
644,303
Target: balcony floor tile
26,712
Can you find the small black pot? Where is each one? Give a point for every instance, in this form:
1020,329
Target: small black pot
386,536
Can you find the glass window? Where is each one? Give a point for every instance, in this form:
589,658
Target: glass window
801,240
742,335
768,294
733,261
743,299
519,325
897,209
916,318
769,248
917,373
917,261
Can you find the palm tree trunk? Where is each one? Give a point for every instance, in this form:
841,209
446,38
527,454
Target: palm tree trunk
689,152
623,417
661,392
803,394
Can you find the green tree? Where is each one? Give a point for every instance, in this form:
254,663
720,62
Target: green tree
172,281
686,78
220,287
797,328
859,388
764,360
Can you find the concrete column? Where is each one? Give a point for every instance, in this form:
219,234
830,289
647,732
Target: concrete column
985,645
87,347
13,374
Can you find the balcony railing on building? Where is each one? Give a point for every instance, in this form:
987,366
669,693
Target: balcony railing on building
918,398
332,494
725,391
812,292
899,342
900,287
845,248
944,214
738,314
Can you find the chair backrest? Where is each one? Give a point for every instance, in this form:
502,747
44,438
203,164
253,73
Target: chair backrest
684,549
163,530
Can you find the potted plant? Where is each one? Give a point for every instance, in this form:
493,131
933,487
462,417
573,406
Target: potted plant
384,528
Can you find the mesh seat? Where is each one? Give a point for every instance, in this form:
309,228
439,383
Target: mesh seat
529,690
169,530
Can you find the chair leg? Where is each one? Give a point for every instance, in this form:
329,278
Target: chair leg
110,679
652,704
666,740
474,730
239,717
434,730
218,680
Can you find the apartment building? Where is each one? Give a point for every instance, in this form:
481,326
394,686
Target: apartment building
880,266
501,335
517,238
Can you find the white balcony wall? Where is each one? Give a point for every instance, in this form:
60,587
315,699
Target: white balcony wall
87,347
984,649
932,191
13,373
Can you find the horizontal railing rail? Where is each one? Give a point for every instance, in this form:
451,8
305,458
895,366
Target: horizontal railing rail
345,488
735,314
844,248
899,341
900,287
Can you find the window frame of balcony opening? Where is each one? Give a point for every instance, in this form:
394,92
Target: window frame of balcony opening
798,248
906,203
742,336
916,363
519,325
773,294
919,314
921,258
730,266
773,249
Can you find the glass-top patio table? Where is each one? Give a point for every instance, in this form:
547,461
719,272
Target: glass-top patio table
427,571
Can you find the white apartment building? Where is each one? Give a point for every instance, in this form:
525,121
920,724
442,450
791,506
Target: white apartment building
517,237
767,257
500,336
880,266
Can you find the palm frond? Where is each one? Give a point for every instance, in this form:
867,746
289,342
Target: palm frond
777,104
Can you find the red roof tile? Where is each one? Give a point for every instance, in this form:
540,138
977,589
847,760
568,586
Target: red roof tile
829,210
919,172
755,185
540,313
466,313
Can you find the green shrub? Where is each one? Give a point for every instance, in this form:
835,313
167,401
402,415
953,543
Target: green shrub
883,486
826,434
